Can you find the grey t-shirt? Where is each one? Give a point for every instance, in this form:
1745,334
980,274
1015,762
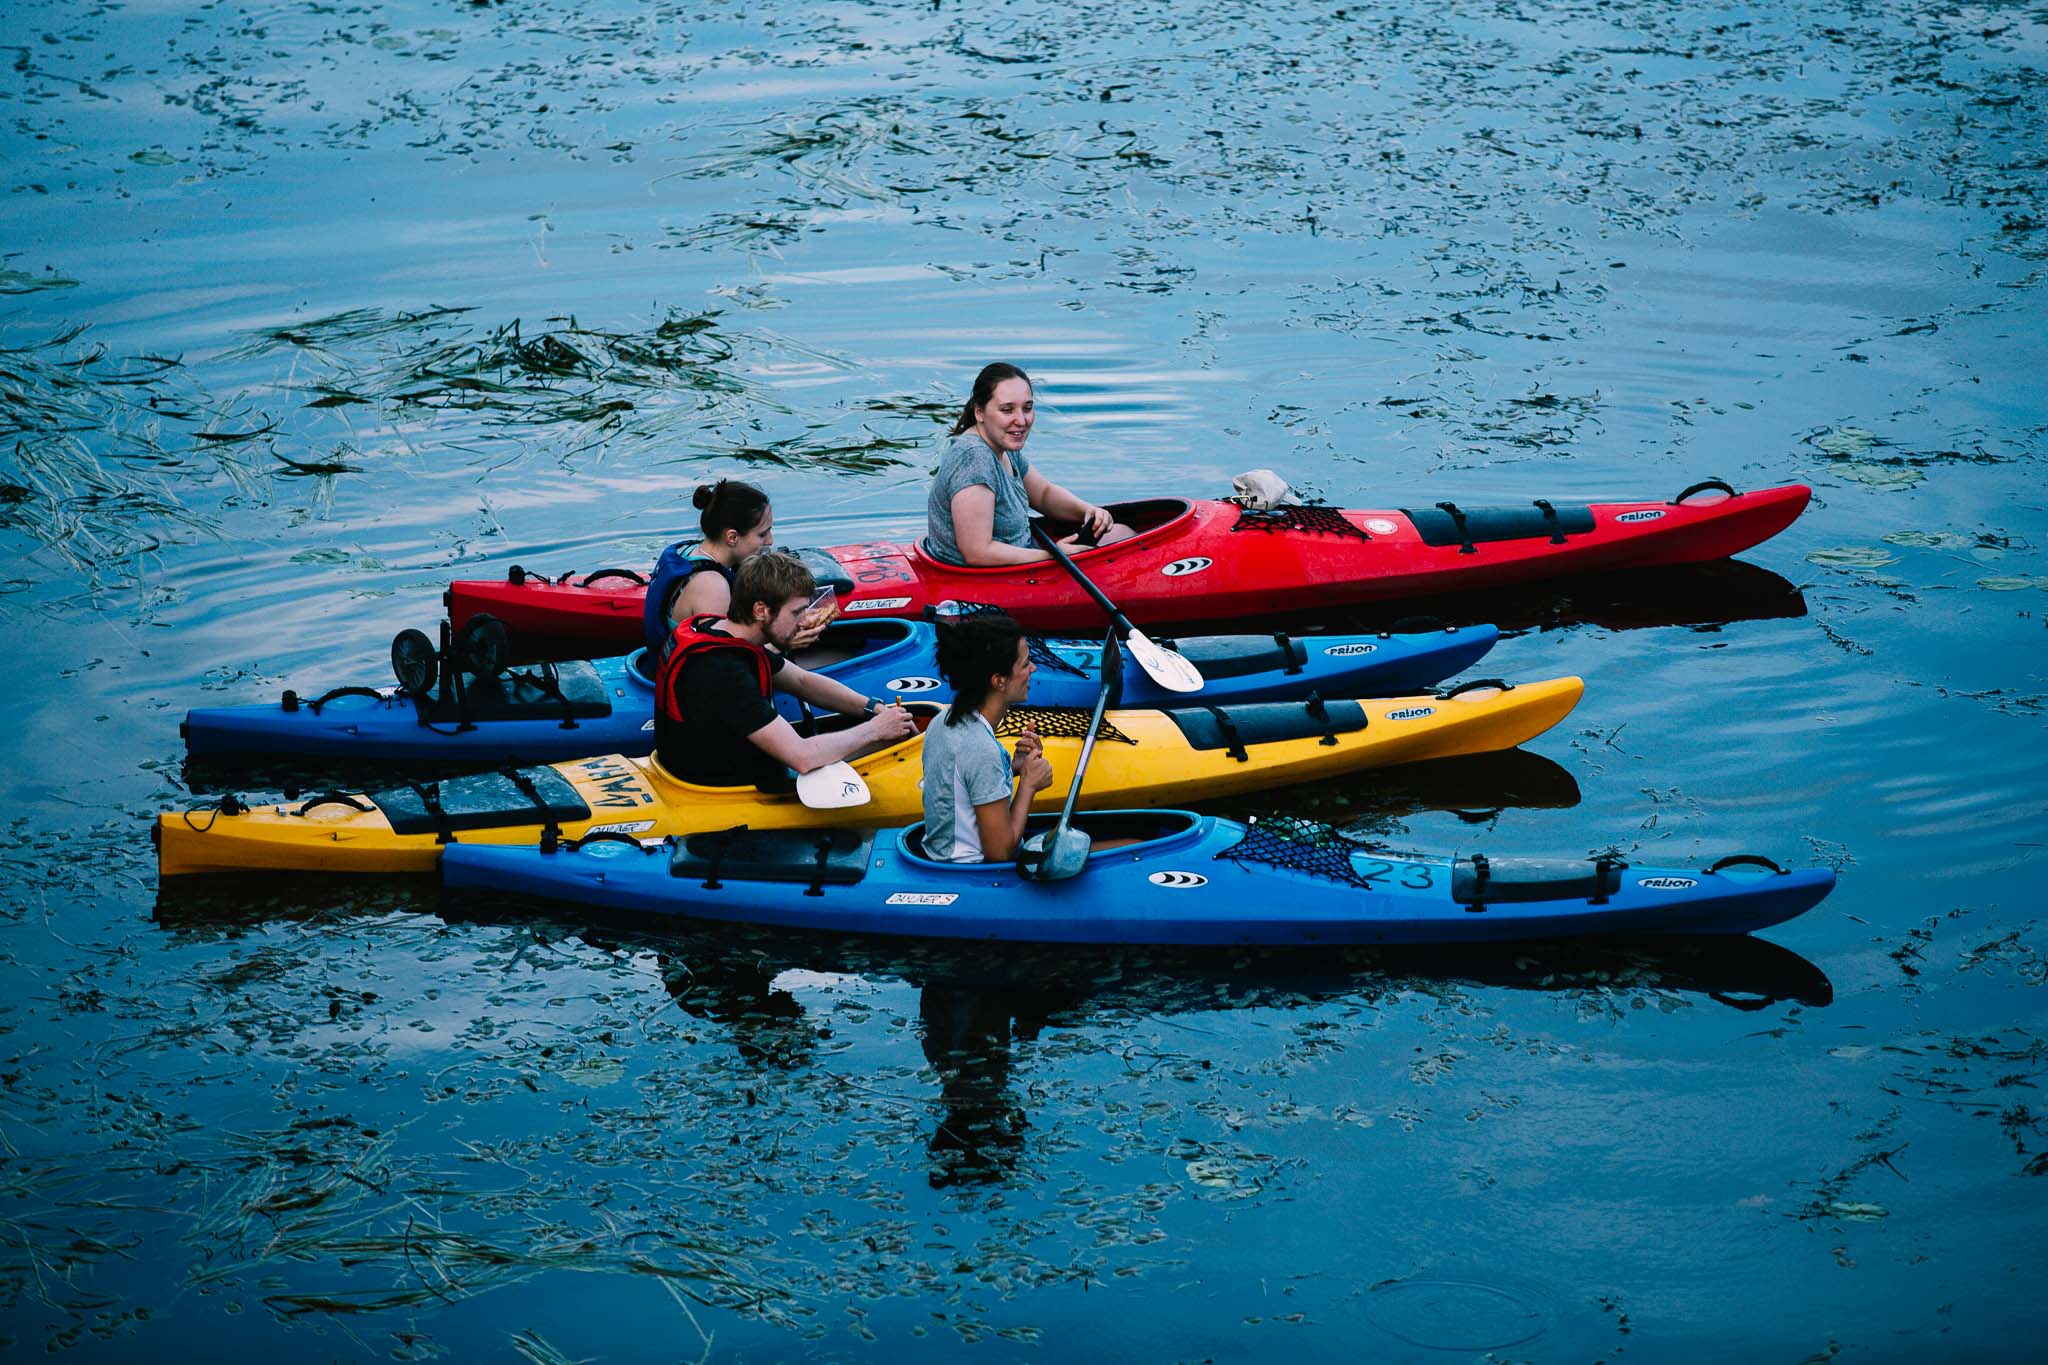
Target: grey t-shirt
967,461
964,767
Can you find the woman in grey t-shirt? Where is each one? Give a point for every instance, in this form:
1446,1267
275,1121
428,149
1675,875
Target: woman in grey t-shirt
981,499
971,815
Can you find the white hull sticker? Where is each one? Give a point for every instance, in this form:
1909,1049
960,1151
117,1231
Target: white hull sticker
1347,651
923,898
1647,514
1411,713
1666,883
878,604
621,827
1380,526
1181,568
1178,880
911,685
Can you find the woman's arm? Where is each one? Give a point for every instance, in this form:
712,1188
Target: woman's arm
704,593
1056,502
974,521
1001,823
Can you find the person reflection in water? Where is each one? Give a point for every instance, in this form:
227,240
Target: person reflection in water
968,1036
979,509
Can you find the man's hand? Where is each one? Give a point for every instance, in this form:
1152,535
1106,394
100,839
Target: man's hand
890,723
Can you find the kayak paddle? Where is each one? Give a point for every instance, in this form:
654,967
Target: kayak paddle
1062,851
1163,666
833,786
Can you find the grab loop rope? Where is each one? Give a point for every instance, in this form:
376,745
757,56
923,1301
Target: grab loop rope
1702,486
353,802
1747,860
292,703
229,804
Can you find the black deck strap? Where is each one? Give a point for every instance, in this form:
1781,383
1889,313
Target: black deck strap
1747,860
1465,545
1229,729
1550,520
1320,712
1482,870
333,799
292,700
1295,657
547,680
526,787
589,579
1604,866
550,837
1312,518
516,575
1702,486
289,701
429,794
1502,683
824,847
720,842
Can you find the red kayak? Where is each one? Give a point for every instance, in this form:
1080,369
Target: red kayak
1198,560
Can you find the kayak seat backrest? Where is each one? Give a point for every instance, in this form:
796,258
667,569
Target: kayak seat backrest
521,695
1509,881
829,857
1235,656
525,796
1527,522
1225,727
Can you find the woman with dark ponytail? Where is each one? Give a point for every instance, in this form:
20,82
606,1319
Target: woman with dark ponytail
696,580
971,814
979,509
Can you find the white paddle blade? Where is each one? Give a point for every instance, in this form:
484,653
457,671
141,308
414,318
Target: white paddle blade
1170,670
832,787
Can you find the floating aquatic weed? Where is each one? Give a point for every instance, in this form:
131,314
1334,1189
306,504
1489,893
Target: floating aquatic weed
1859,558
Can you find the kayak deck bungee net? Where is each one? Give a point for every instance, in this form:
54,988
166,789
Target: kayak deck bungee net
1166,756
1187,880
1204,560
560,711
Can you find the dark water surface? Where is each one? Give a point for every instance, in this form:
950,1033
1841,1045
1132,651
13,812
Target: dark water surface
377,295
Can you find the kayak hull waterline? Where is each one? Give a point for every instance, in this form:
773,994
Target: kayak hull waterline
1196,880
1201,560
607,705
1145,757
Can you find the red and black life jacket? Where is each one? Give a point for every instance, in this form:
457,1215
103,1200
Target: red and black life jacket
695,637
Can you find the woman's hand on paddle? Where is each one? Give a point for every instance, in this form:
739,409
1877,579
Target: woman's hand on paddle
1097,521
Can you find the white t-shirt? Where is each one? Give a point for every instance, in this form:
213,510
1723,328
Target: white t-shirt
964,767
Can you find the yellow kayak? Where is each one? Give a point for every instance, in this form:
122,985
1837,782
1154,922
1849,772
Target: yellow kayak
1143,758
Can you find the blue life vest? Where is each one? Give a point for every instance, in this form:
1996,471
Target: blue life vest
675,568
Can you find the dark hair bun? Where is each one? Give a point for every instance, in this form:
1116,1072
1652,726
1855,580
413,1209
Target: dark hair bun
704,496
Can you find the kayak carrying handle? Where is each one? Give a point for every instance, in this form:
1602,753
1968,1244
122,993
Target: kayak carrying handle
603,836
1747,860
291,699
1702,486
1501,683
334,799
613,573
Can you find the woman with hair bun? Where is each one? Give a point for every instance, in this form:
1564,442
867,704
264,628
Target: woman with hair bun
696,580
971,814
979,509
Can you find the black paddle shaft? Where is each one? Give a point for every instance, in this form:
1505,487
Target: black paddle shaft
1052,547
1112,668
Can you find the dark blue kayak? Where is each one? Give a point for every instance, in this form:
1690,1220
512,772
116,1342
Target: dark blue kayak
550,712
1185,880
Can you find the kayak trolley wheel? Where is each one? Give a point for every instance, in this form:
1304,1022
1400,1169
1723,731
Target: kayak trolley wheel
483,646
415,660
